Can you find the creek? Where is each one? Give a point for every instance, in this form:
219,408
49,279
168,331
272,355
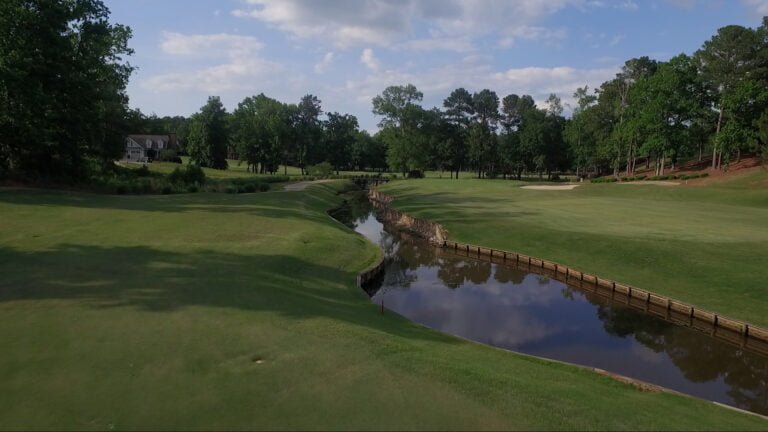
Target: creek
518,309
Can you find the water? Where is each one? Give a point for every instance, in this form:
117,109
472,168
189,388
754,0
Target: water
513,308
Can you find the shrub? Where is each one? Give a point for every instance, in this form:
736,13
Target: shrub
249,188
168,155
264,187
192,189
143,171
323,169
167,190
605,180
191,175
415,174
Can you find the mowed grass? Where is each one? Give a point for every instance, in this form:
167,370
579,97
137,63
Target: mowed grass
236,169
706,245
214,311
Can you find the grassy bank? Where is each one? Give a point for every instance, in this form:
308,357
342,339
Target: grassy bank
215,311
707,245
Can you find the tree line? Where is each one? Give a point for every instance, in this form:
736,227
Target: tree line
654,112
266,134
64,112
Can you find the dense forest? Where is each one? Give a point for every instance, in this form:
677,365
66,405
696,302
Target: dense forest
64,111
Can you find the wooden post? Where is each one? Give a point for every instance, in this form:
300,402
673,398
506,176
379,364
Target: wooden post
505,256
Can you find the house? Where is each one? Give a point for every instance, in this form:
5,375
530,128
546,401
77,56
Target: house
144,148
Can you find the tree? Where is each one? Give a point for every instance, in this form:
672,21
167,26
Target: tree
208,137
726,60
459,109
340,137
309,132
62,87
486,107
554,105
402,126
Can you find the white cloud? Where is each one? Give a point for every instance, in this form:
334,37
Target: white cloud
625,4
368,58
475,73
546,35
323,65
758,7
455,44
382,22
240,65
208,45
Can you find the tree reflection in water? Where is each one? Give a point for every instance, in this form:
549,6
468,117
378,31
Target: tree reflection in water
698,357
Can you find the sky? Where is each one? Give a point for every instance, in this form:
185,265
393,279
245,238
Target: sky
348,51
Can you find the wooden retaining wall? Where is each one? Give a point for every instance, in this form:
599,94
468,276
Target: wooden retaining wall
372,273
735,331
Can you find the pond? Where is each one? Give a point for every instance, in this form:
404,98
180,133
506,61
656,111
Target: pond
514,308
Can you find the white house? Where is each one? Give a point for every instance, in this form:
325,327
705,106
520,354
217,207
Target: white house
144,148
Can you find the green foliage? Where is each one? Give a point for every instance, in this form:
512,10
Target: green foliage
605,180
189,175
168,155
63,76
323,169
209,136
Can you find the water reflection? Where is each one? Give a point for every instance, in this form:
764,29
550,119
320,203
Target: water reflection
513,308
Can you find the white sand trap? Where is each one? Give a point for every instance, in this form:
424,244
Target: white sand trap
551,188
300,186
651,182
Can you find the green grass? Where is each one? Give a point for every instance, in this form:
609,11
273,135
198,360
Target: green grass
236,169
215,311
704,245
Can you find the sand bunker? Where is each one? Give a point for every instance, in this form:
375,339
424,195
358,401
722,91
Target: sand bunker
551,188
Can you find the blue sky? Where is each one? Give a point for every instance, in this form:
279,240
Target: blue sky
347,51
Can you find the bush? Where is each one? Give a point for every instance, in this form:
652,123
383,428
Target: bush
167,190
605,180
168,155
191,175
415,174
142,172
323,169
192,189
264,187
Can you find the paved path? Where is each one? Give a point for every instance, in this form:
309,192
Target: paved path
300,186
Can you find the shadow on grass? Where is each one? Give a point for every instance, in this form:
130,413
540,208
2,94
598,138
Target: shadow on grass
161,281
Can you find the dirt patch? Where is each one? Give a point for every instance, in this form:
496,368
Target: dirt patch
652,182
300,186
551,188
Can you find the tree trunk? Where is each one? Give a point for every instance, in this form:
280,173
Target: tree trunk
663,161
715,164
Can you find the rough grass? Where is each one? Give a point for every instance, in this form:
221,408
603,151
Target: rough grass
704,245
213,311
